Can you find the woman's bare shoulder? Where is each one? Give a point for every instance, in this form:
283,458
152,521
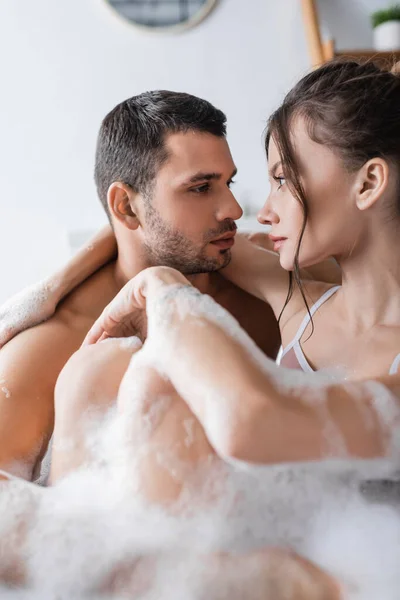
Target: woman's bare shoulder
299,305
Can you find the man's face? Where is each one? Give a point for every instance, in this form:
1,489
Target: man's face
191,205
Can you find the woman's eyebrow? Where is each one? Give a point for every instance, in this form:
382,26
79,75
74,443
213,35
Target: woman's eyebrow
274,167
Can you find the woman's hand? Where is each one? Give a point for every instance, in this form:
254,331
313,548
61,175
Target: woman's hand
125,314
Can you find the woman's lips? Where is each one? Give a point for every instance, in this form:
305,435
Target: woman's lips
277,241
278,244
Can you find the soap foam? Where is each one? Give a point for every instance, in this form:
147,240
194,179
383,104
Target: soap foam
95,535
27,308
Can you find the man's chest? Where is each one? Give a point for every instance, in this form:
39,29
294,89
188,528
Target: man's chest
254,316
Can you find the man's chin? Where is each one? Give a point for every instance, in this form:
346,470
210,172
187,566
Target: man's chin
226,257
220,260
207,265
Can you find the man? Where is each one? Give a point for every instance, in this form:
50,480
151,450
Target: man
163,174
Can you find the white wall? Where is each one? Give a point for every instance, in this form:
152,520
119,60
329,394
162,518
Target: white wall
66,63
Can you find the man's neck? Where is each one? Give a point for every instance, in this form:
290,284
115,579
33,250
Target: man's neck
132,260
202,281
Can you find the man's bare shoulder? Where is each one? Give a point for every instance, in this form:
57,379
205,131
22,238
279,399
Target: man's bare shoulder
29,366
36,356
255,316
31,362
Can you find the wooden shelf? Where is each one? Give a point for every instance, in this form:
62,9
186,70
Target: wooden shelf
324,50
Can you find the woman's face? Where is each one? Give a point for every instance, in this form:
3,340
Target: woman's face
333,223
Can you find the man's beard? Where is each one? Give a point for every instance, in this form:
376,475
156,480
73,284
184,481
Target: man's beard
168,247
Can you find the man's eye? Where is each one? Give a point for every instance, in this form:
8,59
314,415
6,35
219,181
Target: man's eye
201,189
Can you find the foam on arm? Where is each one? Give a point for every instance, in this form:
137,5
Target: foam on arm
253,410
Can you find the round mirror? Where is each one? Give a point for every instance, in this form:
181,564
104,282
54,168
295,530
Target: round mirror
163,15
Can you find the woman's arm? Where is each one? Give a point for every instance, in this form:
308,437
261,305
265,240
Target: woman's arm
38,302
272,415
97,252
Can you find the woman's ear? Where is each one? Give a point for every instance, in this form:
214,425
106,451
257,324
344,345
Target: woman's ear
371,182
121,200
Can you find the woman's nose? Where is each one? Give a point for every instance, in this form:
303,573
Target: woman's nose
266,215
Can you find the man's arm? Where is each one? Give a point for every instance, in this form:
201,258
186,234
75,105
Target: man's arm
87,387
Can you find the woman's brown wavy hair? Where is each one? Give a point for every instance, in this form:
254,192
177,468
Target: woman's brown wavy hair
352,108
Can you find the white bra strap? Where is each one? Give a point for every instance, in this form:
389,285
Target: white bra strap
313,310
395,365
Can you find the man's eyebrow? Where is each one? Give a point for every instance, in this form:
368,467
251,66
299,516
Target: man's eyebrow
274,167
202,176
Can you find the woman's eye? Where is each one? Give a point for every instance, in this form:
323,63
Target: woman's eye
201,189
280,180
231,182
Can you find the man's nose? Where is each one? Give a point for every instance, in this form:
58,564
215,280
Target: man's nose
229,208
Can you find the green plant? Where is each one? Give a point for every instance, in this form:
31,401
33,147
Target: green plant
389,14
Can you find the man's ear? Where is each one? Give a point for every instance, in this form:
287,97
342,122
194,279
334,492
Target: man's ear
371,182
122,203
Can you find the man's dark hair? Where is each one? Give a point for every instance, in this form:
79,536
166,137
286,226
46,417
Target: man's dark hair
131,141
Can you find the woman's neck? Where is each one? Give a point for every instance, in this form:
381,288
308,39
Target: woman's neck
371,280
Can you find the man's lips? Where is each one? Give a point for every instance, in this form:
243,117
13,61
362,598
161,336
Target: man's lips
225,241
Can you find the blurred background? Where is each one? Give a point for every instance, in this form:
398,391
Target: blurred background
66,63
